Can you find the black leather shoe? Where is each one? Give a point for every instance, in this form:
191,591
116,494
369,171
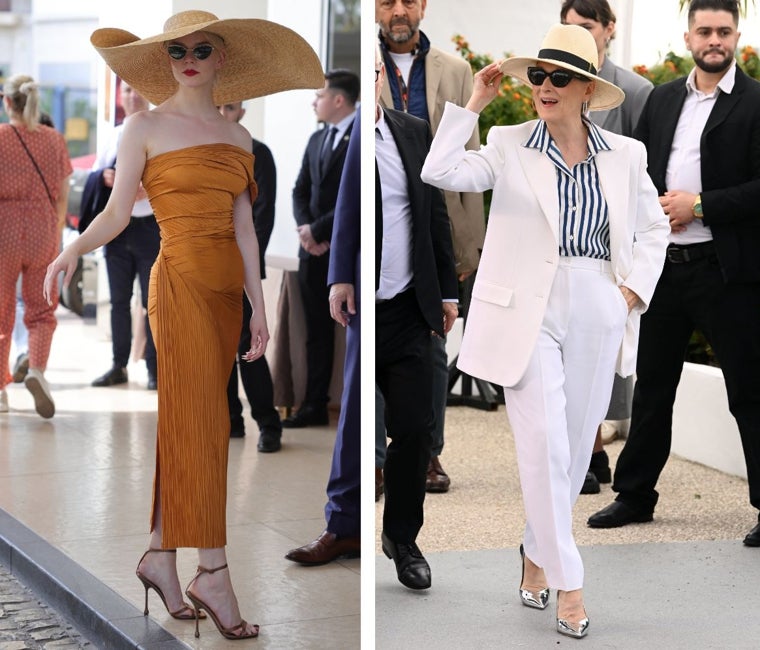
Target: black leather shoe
152,382
600,466
412,568
591,484
269,441
307,416
753,537
113,377
618,514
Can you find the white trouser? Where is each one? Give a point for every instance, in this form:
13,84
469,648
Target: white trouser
556,407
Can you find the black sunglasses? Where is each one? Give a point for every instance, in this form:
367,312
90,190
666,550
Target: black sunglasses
558,78
200,52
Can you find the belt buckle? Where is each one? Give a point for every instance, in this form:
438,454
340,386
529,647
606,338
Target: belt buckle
677,255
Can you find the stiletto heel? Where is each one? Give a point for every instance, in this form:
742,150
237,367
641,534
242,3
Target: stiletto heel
184,613
198,604
530,598
575,630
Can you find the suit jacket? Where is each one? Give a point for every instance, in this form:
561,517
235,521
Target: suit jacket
315,192
521,251
730,159
265,175
345,246
449,79
624,118
432,253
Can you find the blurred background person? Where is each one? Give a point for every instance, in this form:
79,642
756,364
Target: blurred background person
130,255
34,190
314,197
597,17
255,375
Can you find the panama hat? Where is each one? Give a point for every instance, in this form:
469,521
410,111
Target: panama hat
572,48
262,57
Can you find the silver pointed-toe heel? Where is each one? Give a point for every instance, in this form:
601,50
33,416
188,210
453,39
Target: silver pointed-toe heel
529,598
576,630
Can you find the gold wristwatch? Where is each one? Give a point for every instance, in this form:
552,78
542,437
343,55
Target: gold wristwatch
696,207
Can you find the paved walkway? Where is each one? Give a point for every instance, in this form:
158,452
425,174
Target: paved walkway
683,581
26,622
75,493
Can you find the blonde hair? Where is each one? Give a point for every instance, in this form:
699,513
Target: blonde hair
24,99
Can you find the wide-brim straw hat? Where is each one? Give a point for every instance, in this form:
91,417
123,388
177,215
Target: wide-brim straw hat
572,48
262,57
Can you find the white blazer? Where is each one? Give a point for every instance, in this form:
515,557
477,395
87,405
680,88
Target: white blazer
521,250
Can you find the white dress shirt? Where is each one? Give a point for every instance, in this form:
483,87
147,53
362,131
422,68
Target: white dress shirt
684,165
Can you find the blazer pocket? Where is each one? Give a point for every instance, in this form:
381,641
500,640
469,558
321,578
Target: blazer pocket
493,293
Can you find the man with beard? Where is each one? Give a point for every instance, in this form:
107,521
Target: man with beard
420,80
702,134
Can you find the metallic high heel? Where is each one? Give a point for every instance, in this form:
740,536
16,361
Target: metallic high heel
529,598
575,630
184,613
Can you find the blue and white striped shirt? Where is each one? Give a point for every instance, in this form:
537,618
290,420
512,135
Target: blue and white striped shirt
584,229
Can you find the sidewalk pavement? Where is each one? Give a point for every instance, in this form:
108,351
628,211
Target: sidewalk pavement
684,581
75,494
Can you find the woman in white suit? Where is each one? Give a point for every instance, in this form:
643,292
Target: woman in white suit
574,247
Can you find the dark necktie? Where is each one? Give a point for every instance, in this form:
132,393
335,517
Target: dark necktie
327,147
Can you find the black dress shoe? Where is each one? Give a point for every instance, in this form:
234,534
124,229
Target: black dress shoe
269,441
590,484
307,416
412,568
618,514
152,382
600,466
753,537
113,377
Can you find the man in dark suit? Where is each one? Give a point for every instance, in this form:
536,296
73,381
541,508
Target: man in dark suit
342,512
314,197
702,135
256,378
415,299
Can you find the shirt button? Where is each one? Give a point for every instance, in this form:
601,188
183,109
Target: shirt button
572,237
575,207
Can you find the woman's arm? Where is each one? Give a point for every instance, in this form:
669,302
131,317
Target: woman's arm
249,250
63,203
118,210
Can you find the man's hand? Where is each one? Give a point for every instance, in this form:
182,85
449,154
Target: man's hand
309,244
677,206
342,293
450,314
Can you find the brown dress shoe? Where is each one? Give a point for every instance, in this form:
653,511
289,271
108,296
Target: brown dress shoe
437,480
326,548
379,483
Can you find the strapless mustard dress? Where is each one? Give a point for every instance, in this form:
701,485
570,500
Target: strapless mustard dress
195,312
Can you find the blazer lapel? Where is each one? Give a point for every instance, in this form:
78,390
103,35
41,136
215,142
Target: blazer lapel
725,104
433,74
612,168
537,168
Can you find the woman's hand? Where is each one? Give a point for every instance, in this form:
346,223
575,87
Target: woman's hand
259,336
631,298
66,262
486,84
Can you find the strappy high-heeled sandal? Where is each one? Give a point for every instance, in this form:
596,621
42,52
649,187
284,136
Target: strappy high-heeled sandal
184,613
198,604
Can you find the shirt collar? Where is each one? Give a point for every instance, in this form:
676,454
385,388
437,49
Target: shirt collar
540,138
726,83
381,126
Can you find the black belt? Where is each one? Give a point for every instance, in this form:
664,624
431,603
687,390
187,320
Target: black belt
690,253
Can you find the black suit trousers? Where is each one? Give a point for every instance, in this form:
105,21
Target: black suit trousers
691,296
131,255
320,328
257,383
404,375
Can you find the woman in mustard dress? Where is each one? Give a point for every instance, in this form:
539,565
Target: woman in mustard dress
197,169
